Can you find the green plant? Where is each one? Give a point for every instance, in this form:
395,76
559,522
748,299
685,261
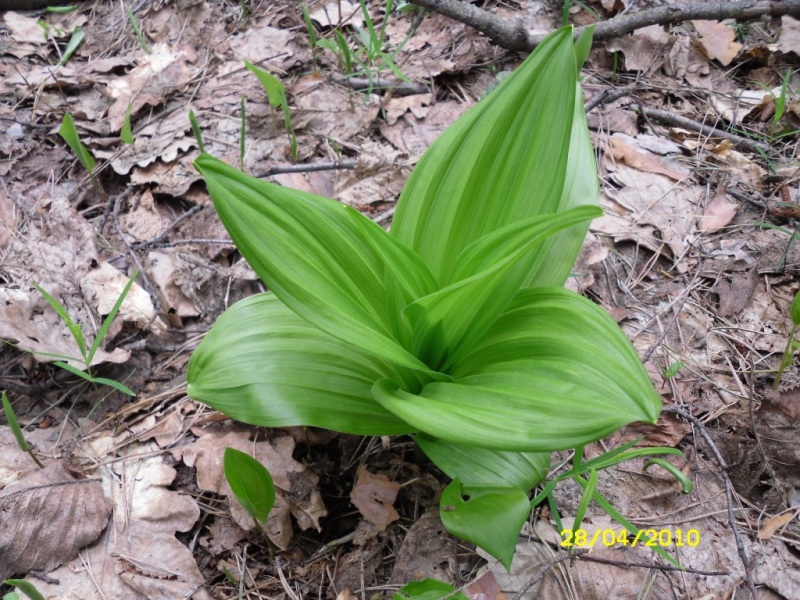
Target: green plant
17,430
26,587
454,326
87,355
136,29
126,134
75,40
276,94
368,58
428,589
251,484
791,343
69,133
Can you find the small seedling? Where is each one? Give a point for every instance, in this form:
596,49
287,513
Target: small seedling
276,94
196,131
780,104
77,333
673,369
251,484
126,134
791,344
17,430
26,587
75,40
136,29
61,10
69,133
428,589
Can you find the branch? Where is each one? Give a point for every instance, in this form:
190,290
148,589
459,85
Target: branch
512,34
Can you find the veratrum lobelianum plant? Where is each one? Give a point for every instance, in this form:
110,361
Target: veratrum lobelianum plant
454,326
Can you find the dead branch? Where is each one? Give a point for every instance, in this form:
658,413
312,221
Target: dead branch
512,34
669,118
747,561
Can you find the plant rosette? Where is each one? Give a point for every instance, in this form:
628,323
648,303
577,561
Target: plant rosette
454,326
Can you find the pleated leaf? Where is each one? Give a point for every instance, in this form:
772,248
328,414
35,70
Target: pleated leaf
493,270
505,160
483,467
262,364
555,258
554,372
312,252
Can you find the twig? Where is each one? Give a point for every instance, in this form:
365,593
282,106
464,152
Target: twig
307,168
512,34
399,88
607,95
543,571
649,352
740,549
676,120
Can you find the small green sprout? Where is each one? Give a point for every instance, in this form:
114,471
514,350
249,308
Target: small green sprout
17,430
136,29
276,94
75,40
428,589
87,355
126,134
791,344
673,369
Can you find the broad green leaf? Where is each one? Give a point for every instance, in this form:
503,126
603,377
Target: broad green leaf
481,467
583,45
251,483
428,589
312,253
489,517
555,258
503,161
264,365
554,372
26,587
448,322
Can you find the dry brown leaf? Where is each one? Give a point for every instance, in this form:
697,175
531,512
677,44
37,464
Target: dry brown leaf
718,213
717,41
485,588
735,295
783,401
426,551
139,555
648,202
103,286
373,496
772,525
644,50
789,40
627,152
163,71
338,13
48,516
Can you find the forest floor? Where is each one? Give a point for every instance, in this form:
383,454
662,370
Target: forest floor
693,258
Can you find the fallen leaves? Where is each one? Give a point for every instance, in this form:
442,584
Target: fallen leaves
373,495
48,516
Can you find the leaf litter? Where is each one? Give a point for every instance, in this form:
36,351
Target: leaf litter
678,202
